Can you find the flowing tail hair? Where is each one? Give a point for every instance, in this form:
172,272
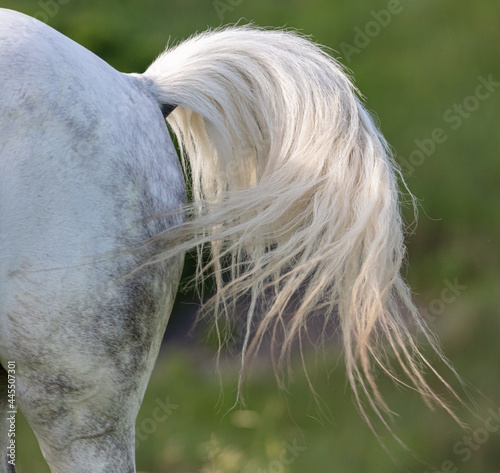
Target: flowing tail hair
295,192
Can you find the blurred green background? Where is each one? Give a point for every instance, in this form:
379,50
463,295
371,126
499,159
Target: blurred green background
419,64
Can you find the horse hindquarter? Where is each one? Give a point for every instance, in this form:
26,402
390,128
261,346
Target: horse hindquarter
85,159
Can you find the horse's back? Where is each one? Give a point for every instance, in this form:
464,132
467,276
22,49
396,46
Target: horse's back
85,161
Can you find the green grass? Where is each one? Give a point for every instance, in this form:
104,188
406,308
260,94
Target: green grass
425,61
199,432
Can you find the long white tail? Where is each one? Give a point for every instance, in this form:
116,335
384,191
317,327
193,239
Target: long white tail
295,191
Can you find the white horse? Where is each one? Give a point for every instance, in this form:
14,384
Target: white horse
294,192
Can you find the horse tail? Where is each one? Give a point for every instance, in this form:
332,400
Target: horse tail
295,191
